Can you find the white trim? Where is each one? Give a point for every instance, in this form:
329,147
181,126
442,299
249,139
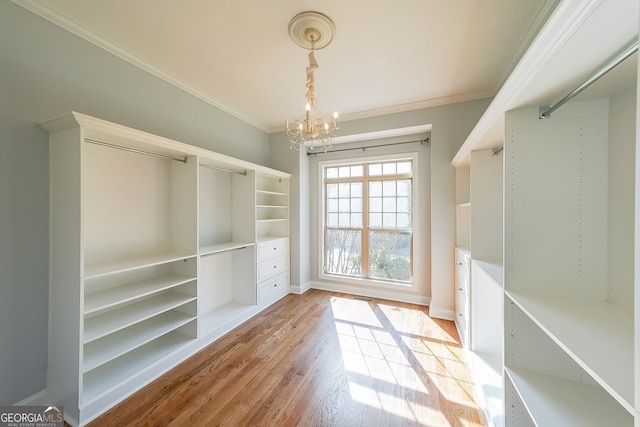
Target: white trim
387,294
413,287
40,398
300,289
442,313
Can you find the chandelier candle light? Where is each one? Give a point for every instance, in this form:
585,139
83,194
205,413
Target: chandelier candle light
310,128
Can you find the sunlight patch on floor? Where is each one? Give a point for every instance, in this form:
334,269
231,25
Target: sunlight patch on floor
397,372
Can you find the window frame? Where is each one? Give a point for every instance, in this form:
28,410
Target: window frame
415,232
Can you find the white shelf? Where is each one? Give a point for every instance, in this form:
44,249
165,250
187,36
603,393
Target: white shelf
273,219
271,193
115,320
131,291
223,247
273,206
604,348
222,314
552,401
464,205
131,364
495,271
96,271
114,345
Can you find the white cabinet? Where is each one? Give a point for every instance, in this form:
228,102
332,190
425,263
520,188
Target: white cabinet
561,288
462,282
157,248
273,267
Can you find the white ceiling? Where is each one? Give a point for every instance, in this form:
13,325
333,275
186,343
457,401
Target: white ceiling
385,57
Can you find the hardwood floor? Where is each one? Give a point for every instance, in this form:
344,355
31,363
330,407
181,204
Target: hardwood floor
317,359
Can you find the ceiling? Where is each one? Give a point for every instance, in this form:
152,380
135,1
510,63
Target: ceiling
385,56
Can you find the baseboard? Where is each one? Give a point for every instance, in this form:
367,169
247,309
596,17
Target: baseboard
300,289
40,398
372,293
442,313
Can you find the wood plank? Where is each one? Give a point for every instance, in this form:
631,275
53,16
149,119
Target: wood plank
320,358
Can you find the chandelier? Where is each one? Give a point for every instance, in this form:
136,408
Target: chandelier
311,128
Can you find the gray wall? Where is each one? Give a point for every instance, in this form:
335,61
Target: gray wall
450,126
46,71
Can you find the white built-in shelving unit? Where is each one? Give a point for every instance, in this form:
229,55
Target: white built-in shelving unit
554,295
272,212
154,254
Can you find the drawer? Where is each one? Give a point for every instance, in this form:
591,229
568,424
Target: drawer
272,267
272,249
273,284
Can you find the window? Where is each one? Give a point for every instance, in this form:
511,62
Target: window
368,216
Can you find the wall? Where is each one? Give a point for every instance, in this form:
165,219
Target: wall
450,126
46,71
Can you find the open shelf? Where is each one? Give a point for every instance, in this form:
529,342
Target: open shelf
101,379
115,320
131,291
101,351
610,326
553,401
218,316
96,271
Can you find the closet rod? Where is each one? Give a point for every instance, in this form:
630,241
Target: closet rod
421,141
222,251
134,150
204,165
545,112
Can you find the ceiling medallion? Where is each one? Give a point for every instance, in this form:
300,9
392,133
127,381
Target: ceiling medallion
310,128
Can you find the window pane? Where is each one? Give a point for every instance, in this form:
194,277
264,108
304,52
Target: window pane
332,220
343,205
356,205
404,187
404,220
390,255
404,167
389,169
356,170
356,220
375,188
404,204
375,169
332,190
389,220
356,189
389,204
344,172
343,253
332,205
375,220
343,220
332,172
389,188
375,204
345,189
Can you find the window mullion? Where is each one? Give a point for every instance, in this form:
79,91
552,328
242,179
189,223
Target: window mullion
364,235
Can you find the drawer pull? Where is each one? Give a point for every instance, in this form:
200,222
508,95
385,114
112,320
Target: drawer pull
459,289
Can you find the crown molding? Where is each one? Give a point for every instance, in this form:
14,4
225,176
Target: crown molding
79,30
410,106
